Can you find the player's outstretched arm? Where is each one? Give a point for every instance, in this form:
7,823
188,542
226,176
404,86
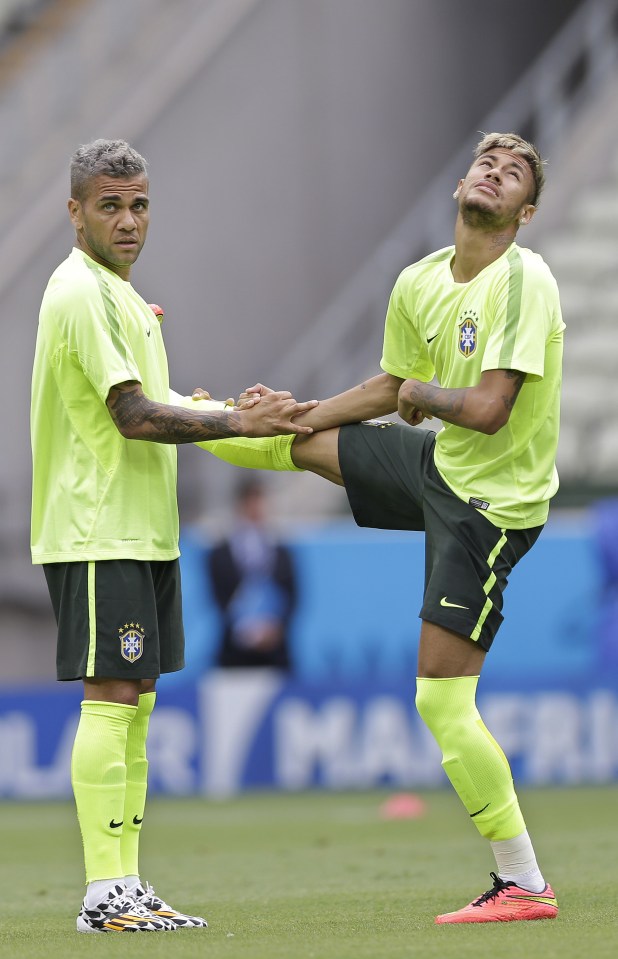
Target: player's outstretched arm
138,417
485,407
258,453
376,396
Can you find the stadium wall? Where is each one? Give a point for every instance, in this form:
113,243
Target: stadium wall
233,731
346,720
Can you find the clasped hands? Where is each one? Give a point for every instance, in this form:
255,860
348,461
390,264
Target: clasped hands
408,400
277,408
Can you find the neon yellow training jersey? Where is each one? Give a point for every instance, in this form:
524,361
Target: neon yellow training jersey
507,317
97,495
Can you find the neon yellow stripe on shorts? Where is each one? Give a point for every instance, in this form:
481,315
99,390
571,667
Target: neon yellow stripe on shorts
92,619
491,559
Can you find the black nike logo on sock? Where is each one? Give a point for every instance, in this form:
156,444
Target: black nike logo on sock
115,825
479,811
137,821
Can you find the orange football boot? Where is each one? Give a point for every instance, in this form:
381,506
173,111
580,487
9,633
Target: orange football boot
506,902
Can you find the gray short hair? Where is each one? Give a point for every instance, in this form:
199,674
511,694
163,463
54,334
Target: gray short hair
103,157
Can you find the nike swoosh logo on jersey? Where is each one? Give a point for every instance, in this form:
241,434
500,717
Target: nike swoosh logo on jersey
444,602
430,338
148,332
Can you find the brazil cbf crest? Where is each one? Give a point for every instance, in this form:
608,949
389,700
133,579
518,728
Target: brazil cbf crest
131,637
468,334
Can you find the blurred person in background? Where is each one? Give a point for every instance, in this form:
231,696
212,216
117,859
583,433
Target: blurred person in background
483,317
105,517
254,585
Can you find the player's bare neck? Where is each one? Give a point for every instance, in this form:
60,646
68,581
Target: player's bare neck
476,249
123,271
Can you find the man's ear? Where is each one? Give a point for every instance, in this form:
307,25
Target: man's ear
75,212
526,213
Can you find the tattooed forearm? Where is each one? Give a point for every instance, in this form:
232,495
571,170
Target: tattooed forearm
484,407
517,378
437,401
137,417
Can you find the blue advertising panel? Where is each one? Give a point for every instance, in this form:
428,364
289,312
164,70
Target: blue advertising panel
346,718
237,729
360,592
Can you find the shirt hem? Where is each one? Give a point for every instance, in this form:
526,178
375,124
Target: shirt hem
88,556
502,518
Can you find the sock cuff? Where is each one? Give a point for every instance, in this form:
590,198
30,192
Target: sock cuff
447,688
138,733
197,406
442,699
107,710
283,453
447,679
145,705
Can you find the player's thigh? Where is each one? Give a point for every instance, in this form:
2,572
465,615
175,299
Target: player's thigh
444,654
318,452
384,467
124,691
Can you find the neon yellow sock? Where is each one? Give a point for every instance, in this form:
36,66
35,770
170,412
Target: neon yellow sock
471,757
98,776
137,785
255,452
251,452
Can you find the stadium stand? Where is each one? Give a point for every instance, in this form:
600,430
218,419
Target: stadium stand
14,14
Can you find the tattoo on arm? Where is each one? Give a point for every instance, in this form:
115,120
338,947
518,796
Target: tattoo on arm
137,417
516,378
456,405
438,401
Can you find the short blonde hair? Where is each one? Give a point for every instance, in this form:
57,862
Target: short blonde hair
512,141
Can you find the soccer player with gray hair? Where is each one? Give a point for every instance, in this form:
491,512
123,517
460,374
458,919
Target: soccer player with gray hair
105,516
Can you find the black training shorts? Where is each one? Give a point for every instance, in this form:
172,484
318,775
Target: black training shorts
392,483
117,619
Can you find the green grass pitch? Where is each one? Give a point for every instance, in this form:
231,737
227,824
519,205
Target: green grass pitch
317,876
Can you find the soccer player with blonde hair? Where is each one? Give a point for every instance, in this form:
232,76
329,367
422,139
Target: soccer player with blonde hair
483,318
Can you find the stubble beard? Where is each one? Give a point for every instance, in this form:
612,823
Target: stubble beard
478,217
